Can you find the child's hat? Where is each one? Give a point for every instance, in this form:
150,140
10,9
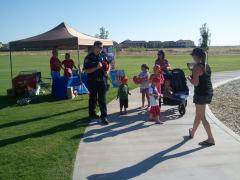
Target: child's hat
157,67
124,79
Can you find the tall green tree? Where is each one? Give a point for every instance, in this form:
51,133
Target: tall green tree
204,41
103,33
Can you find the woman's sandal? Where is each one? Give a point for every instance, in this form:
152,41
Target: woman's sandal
206,143
190,133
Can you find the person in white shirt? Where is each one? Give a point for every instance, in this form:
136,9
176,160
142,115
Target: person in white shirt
154,113
144,78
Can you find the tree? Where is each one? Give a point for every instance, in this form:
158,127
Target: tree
204,41
103,34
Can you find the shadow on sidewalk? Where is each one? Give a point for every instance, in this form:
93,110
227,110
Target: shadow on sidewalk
147,164
170,114
135,120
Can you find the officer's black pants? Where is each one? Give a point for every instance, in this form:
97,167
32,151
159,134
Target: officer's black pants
97,90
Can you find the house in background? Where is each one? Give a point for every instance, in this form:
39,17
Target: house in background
4,47
169,44
133,44
185,44
157,44
154,44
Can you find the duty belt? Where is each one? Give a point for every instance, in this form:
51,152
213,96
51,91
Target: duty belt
97,79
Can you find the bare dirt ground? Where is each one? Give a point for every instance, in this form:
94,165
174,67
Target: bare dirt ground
226,105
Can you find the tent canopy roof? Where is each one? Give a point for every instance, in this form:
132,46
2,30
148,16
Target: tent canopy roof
62,36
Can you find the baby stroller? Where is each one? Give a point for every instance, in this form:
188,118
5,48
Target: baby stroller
180,90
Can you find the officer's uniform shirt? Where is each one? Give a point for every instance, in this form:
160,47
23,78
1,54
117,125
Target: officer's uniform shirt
104,56
91,61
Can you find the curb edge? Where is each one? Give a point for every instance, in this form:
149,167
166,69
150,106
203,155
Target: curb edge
215,119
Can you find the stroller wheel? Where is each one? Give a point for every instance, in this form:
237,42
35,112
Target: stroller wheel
182,109
186,103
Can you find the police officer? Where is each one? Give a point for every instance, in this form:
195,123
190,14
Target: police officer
97,82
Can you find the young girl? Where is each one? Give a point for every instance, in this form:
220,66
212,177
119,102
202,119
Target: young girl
68,65
158,74
154,113
144,76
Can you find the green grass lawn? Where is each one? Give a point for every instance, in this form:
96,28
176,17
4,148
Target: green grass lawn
39,141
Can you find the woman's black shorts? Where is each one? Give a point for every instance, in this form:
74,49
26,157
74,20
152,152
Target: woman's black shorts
202,99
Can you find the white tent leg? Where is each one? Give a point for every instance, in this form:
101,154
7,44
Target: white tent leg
78,55
10,54
79,66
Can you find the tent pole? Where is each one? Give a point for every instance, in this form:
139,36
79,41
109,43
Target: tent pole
10,54
78,55
207,57
79,65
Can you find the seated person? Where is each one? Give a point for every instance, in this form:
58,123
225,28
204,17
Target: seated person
167,89
68,65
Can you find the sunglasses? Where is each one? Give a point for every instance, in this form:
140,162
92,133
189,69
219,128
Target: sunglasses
100,47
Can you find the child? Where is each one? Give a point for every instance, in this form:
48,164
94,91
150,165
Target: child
123,92
158,73
154,113
68,65
144,76
167,89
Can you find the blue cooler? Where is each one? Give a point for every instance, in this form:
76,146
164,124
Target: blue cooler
85,79
60,85
59,88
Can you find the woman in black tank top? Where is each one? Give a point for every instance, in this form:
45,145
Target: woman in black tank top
203,92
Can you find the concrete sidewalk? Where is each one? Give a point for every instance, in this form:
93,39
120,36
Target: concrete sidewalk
132,148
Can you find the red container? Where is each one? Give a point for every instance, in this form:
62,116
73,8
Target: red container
24,82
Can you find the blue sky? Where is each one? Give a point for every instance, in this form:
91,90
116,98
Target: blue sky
124,19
